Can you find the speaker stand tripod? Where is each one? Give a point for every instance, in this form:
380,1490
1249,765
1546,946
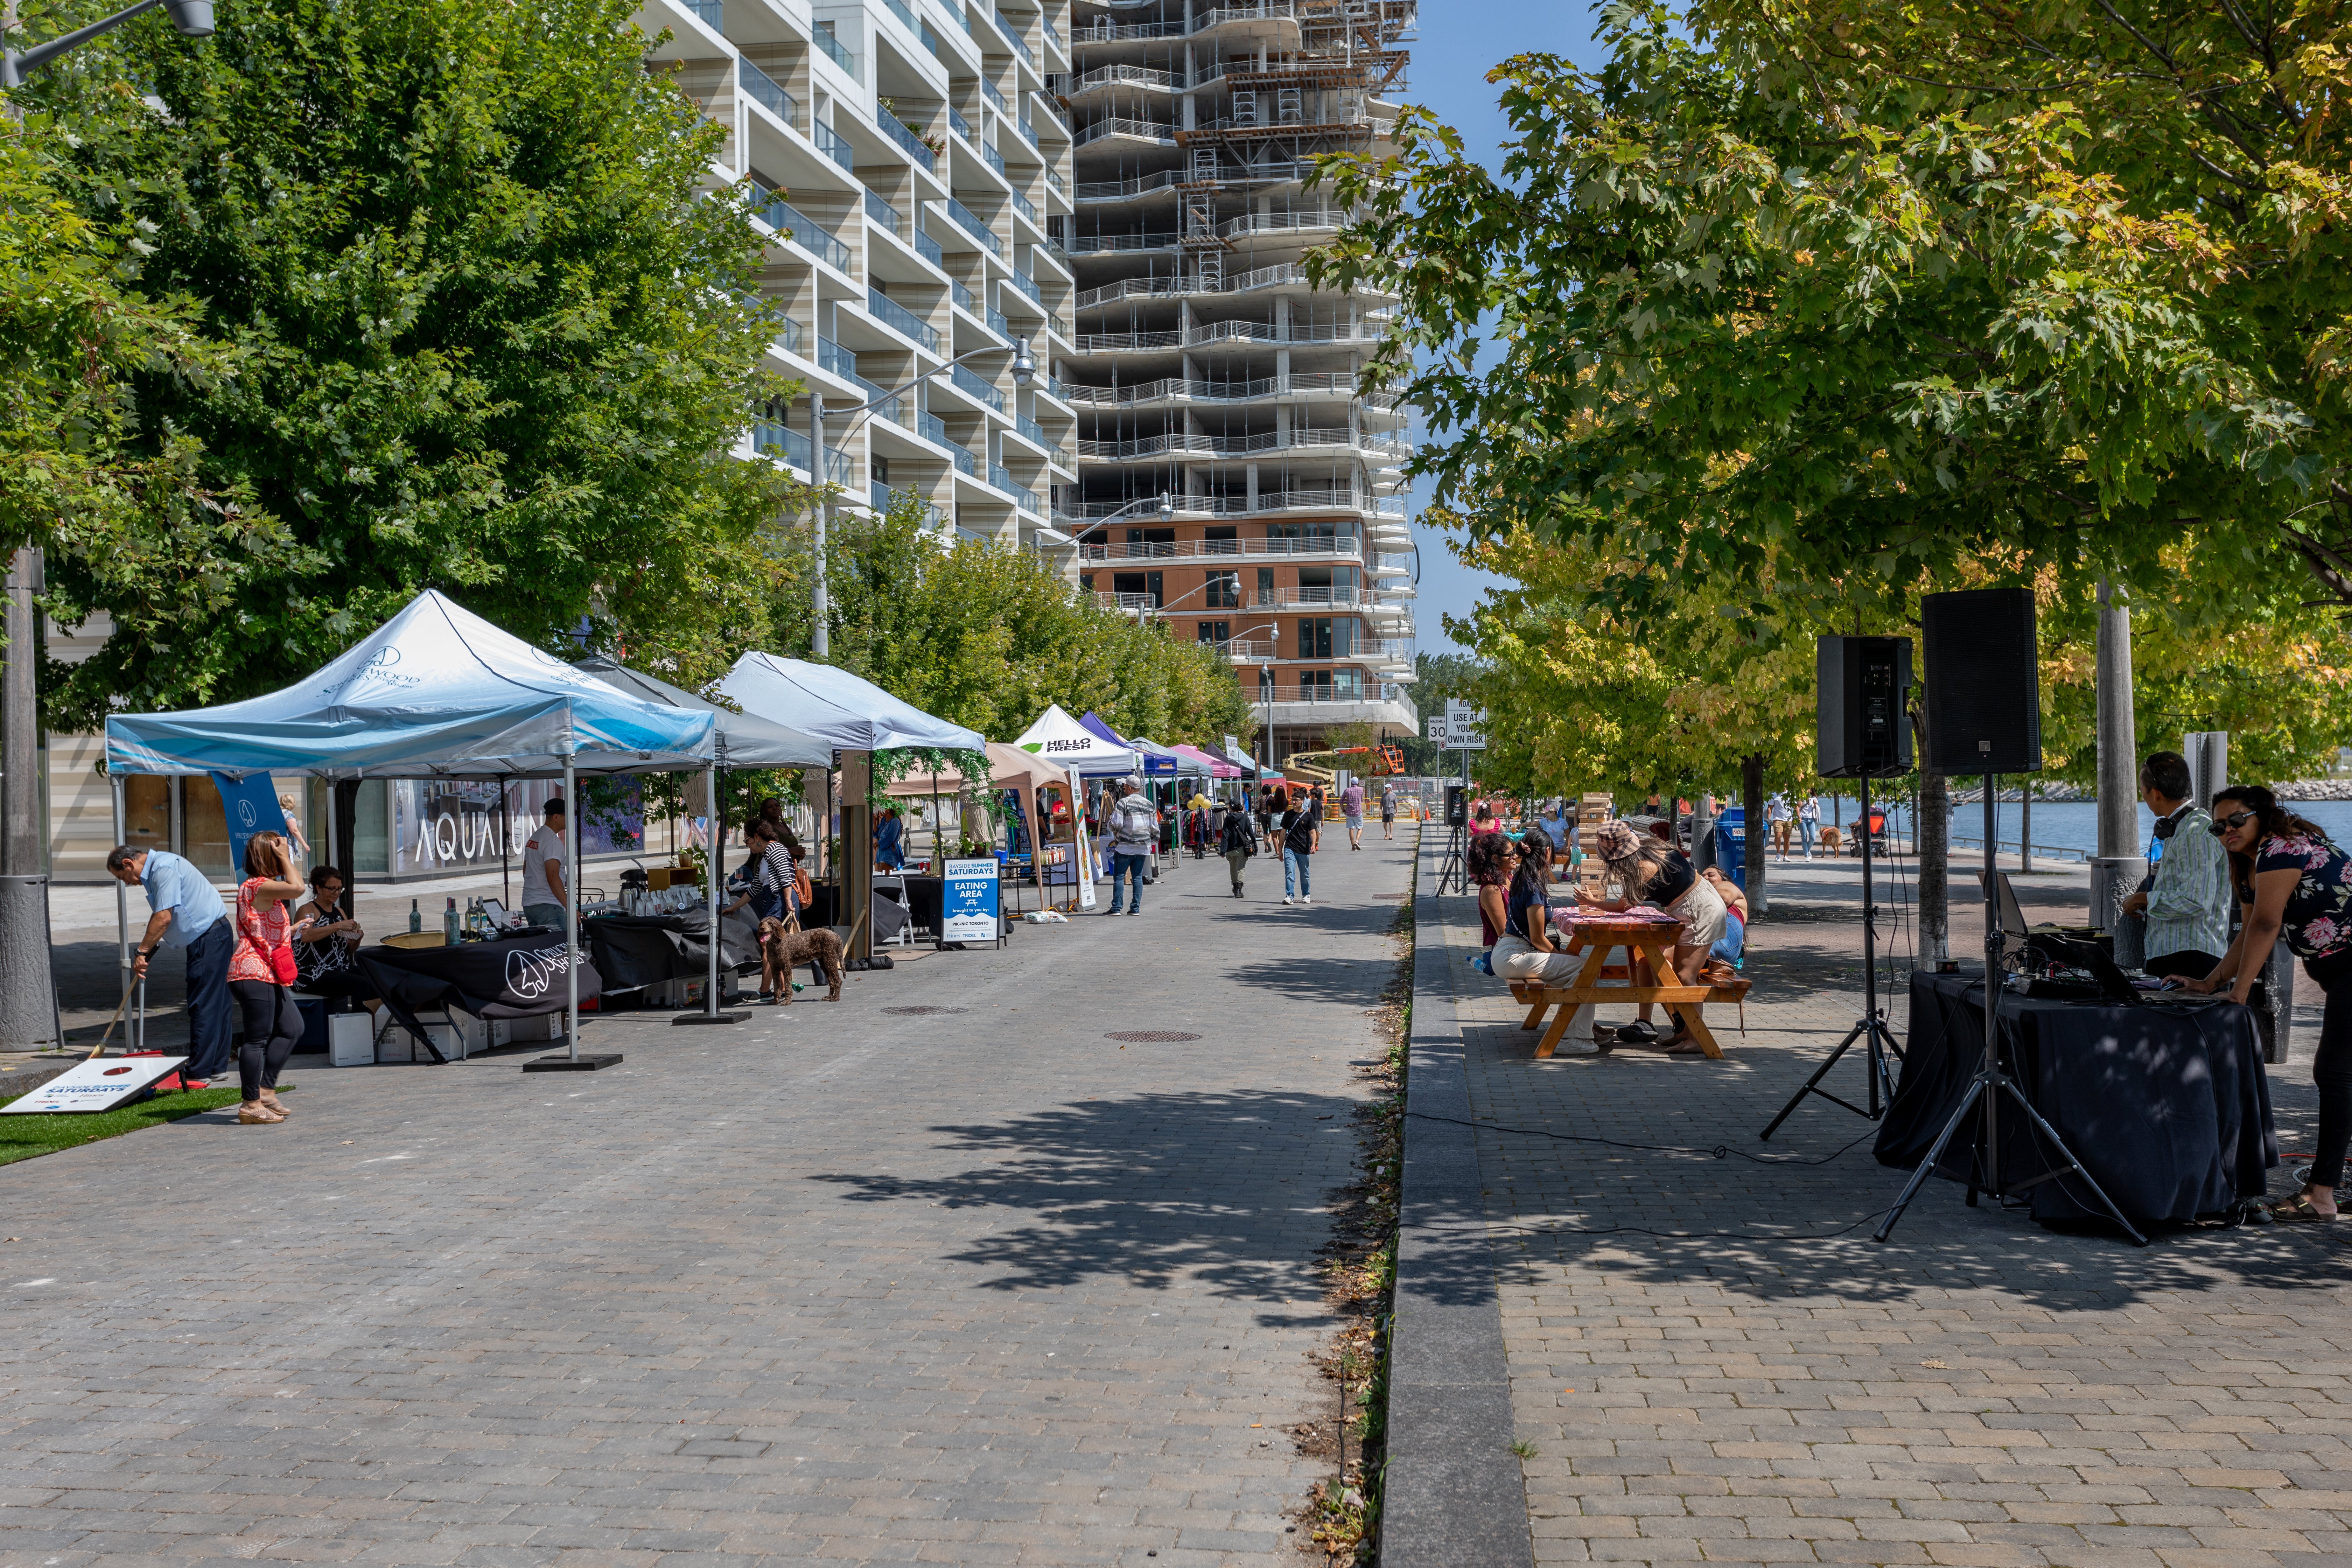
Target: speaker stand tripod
1990,1082
1451,869
1878,1040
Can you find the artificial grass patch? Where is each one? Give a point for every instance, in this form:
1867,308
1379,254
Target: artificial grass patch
23,1137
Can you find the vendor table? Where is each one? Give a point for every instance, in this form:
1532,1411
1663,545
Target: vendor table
515,977
1600,981
2166,1104
631,952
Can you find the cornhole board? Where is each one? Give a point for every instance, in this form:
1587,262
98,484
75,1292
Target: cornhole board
102,1083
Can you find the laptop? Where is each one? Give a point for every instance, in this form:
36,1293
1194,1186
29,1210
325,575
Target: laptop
2012,918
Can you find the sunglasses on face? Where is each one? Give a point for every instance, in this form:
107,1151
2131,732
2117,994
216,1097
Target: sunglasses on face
2234,820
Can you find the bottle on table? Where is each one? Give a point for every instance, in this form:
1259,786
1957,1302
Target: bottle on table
416,919
449,932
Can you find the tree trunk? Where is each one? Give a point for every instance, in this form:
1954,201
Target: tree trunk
1751,803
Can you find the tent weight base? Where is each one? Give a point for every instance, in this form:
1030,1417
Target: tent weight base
585,1062
710,1017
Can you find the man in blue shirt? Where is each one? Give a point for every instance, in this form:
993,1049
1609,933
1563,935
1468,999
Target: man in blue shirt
188,914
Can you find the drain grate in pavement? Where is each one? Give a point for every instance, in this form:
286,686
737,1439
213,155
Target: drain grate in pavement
1150,1037
922,1012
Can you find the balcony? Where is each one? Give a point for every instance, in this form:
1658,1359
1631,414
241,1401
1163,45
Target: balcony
1027,209
1370,330
1019,47
972,385
930,250
907,141
896,317
1179,442
712,12
1002,478
802,231
883,214
964,218
988,91
1027,285
1175,389
833,144
999,325
776,438
886,404
1121,76
960,125
831,356
1388,714
934,429
964,461
835,51
1345,547
763,89
1267,501
993,159
1157,131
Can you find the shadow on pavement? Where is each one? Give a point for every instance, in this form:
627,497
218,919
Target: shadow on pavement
1109,1182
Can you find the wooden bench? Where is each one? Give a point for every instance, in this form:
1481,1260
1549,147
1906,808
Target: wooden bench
1600,982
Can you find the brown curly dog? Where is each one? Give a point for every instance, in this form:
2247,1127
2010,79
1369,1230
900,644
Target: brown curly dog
783,946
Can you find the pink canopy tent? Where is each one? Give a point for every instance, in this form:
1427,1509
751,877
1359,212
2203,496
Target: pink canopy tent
1218,767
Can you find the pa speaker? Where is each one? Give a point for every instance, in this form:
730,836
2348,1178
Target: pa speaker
1984,682
1861,706
1457,806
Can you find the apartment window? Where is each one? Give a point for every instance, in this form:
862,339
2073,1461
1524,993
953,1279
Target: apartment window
1315,686
1086,582
1315,637
1145,583
881,469
1265,585
1145,542
1224,590
1218,632
1221,541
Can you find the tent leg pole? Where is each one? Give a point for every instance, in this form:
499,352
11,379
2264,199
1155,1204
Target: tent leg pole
121,896
710,1013
572,908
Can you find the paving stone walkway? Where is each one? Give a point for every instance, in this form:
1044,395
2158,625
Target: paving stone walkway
1978,1392
842,1285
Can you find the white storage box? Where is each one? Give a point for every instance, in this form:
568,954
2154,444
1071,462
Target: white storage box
351,1040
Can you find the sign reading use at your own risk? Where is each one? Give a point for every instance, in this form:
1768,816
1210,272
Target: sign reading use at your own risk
967,901
102,1083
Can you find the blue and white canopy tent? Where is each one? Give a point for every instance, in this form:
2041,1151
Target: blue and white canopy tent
438,692
858,718
1152,761
739,741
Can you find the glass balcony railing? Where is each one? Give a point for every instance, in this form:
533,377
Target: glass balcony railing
965,462
831,356
1053,388
712,12
968,221
998,324
1028,131
969,383
763,90
835,52
833,144
886,404
900,9
992,158
929,250
881,212
960,125
892,314
1054,179
932,429
962,297
1031,430
785,218
988,91
787,330
1026,208
1001,478
1027,285
776,438
1020,47
907,141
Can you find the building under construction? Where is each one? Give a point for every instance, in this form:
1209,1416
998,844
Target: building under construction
1231,477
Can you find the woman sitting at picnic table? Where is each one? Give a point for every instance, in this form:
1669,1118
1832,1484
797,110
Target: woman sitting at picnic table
1662,878
1527,950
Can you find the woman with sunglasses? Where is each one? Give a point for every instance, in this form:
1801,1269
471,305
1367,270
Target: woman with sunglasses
2291,879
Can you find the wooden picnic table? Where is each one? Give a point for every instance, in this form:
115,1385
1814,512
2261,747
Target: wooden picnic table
1600,982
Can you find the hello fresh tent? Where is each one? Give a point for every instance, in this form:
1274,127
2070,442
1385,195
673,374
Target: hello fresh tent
1063,742
436,691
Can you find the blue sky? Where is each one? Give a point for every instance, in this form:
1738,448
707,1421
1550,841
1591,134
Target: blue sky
1460,42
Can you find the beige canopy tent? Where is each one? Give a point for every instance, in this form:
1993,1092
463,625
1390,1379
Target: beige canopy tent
1009,767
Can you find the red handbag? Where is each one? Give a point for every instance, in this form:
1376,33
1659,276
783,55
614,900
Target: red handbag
281,959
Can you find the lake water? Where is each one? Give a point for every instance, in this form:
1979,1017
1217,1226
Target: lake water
2073,825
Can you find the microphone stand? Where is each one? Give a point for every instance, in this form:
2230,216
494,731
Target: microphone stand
1992,1080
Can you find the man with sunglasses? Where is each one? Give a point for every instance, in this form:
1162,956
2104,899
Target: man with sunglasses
2186,895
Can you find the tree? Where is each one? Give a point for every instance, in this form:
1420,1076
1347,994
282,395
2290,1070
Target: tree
1753,301
489,334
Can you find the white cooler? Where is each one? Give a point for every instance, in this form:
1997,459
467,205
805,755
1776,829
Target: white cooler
351,1040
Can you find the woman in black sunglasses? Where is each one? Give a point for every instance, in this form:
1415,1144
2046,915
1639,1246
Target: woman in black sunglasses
2291,879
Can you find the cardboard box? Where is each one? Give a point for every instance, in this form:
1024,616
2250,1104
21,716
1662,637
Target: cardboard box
351,1040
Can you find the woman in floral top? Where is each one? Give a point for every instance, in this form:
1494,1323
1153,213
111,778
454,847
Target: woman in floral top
273,1024
2289,879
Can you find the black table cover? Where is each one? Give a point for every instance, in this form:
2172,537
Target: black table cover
515,977
2167,1106
634,950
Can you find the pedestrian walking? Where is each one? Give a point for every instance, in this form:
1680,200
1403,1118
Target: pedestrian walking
261,974
1133,829
188,914
889,841
1351,807
1237,842
1781,819
1387,810
1809,824
1302,836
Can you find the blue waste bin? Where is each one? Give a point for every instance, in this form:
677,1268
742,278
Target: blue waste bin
1731,844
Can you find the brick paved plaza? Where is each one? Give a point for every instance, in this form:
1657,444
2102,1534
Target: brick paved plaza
1978,1392
838,1284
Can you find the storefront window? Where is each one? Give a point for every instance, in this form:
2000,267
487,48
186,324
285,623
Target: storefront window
204,829
147,812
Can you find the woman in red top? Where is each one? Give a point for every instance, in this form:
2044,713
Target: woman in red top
265,946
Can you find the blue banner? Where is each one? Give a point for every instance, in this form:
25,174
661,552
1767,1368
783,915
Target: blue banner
967,908
249,806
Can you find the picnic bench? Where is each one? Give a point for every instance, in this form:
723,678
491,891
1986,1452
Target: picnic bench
1600,981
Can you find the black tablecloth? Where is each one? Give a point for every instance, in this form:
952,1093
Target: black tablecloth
516,977
634,950
2166,1105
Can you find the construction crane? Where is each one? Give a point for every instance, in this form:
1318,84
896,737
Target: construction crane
1387,760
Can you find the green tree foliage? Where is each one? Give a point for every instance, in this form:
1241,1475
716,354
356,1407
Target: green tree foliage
1854,297
76,478
489,334
987,636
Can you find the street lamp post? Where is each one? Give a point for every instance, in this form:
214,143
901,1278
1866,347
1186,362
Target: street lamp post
1024,371
28,1005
